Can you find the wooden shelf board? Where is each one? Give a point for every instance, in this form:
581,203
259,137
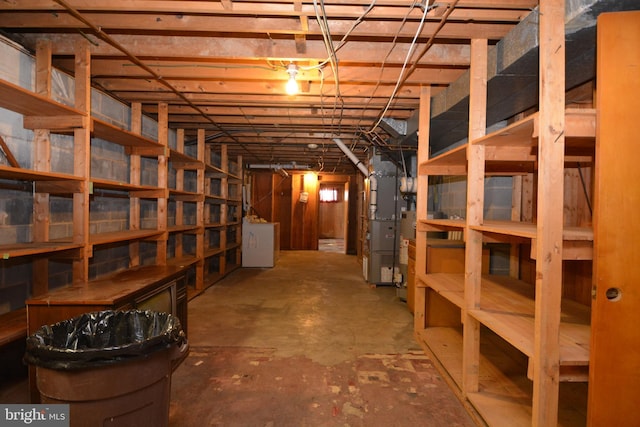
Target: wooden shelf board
116,135
35,248
183,161
214,198
182,228
106,184
445,344
183,261
450,286
214,225
440,225
505,392
185,196
28,103
109,290
452,162
507,308
209,252
529,231
580,131
20,174
13,326
122,236
213,169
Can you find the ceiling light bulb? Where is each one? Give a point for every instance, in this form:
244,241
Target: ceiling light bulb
292,84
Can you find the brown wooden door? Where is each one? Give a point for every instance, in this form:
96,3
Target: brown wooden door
614,380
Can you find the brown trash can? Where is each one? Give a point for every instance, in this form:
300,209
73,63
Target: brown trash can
131,391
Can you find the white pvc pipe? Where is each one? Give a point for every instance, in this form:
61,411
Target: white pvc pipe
373,182
351,156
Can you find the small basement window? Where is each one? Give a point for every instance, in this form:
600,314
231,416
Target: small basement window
328,195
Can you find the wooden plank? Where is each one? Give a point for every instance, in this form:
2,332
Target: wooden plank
28,103
529,231
122,236
112,133
13,326
474,214
82,157
55,123
106,184
135,175
163,176
42,162
551,147
182,161
574,250
421,203
112,290
8,172
59,187
441,224
614,384
580,131
15,250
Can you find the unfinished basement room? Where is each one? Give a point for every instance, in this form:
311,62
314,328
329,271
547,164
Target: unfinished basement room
288,213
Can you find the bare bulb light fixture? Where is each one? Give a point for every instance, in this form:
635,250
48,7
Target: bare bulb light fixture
292,84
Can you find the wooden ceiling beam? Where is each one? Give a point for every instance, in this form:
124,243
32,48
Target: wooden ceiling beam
203,26
159,47
259,99
260,70
215,88
302,111
507,10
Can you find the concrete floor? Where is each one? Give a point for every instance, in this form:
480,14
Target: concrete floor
307,343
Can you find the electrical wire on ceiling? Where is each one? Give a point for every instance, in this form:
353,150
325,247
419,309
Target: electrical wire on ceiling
323,23
384,61
401,78
332,59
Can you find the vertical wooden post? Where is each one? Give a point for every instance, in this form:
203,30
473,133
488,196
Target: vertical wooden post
179,203
475,214
516,215
201,218
82,159
550,214
134,178
163,139
224,193
421,203
41,162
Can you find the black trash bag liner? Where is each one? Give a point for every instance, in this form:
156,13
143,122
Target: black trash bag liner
102,338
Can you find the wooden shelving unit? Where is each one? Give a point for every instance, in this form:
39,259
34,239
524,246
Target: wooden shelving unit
143,199
475,325
217,201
